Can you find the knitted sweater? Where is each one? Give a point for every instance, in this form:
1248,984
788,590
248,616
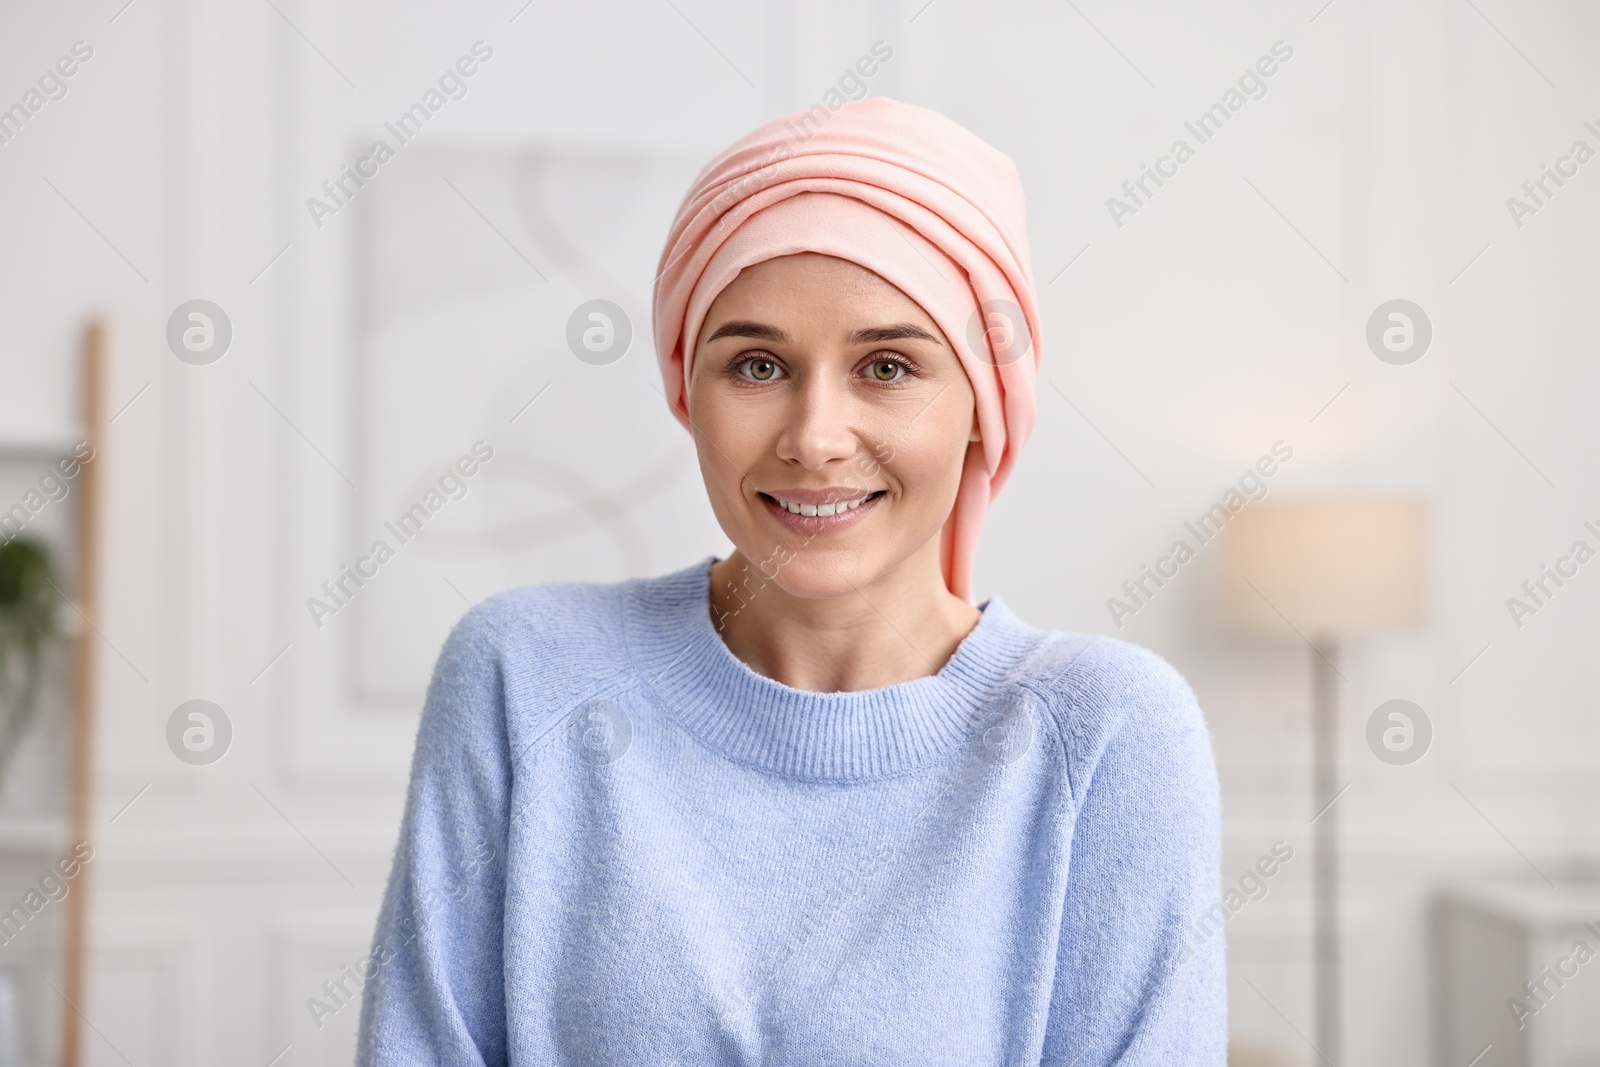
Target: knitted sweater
623,846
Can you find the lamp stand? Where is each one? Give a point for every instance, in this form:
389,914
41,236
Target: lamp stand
1325,846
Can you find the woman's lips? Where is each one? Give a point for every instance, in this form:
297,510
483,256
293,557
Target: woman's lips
813,525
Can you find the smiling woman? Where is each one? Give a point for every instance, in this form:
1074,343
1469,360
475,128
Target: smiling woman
843,362
810,803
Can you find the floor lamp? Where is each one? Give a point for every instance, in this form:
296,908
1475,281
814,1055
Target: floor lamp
1327,571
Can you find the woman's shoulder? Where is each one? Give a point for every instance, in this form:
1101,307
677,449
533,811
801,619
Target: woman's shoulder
1102,690
535,651
1102,671
578,627
537,620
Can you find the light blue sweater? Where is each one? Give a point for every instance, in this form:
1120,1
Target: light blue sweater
622,846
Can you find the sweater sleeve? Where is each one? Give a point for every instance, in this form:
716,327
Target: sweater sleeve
1136,983
434,982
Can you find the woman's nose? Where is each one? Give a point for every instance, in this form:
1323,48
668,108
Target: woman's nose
818,426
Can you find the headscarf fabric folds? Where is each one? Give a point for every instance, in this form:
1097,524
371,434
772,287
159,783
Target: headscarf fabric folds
909,195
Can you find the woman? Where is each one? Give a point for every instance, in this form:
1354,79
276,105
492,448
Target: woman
808,804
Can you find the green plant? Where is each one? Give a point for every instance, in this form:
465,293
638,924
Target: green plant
27,617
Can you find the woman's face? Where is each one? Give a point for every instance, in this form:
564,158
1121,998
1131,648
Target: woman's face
818,386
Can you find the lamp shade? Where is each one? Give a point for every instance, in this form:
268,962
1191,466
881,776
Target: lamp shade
1331,568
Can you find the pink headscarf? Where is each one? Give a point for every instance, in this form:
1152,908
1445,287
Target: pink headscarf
912,197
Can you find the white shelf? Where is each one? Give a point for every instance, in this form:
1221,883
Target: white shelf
1493,937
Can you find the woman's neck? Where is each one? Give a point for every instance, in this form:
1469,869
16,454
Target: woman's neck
903,625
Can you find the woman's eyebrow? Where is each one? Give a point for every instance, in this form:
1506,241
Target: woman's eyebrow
757,330
760,331
872,334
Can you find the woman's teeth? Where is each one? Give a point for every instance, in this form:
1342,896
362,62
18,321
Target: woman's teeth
823,509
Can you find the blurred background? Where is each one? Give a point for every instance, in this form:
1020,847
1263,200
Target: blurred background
226,364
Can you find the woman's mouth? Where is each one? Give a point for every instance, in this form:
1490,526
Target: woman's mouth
811,519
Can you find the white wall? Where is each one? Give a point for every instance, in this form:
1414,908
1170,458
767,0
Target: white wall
1221,317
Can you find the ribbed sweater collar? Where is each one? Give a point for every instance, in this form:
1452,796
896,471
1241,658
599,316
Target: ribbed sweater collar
797,733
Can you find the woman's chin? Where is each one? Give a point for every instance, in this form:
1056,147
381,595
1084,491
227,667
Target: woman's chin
819,574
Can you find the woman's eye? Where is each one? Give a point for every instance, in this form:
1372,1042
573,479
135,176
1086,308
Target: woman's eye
887,370
759,368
